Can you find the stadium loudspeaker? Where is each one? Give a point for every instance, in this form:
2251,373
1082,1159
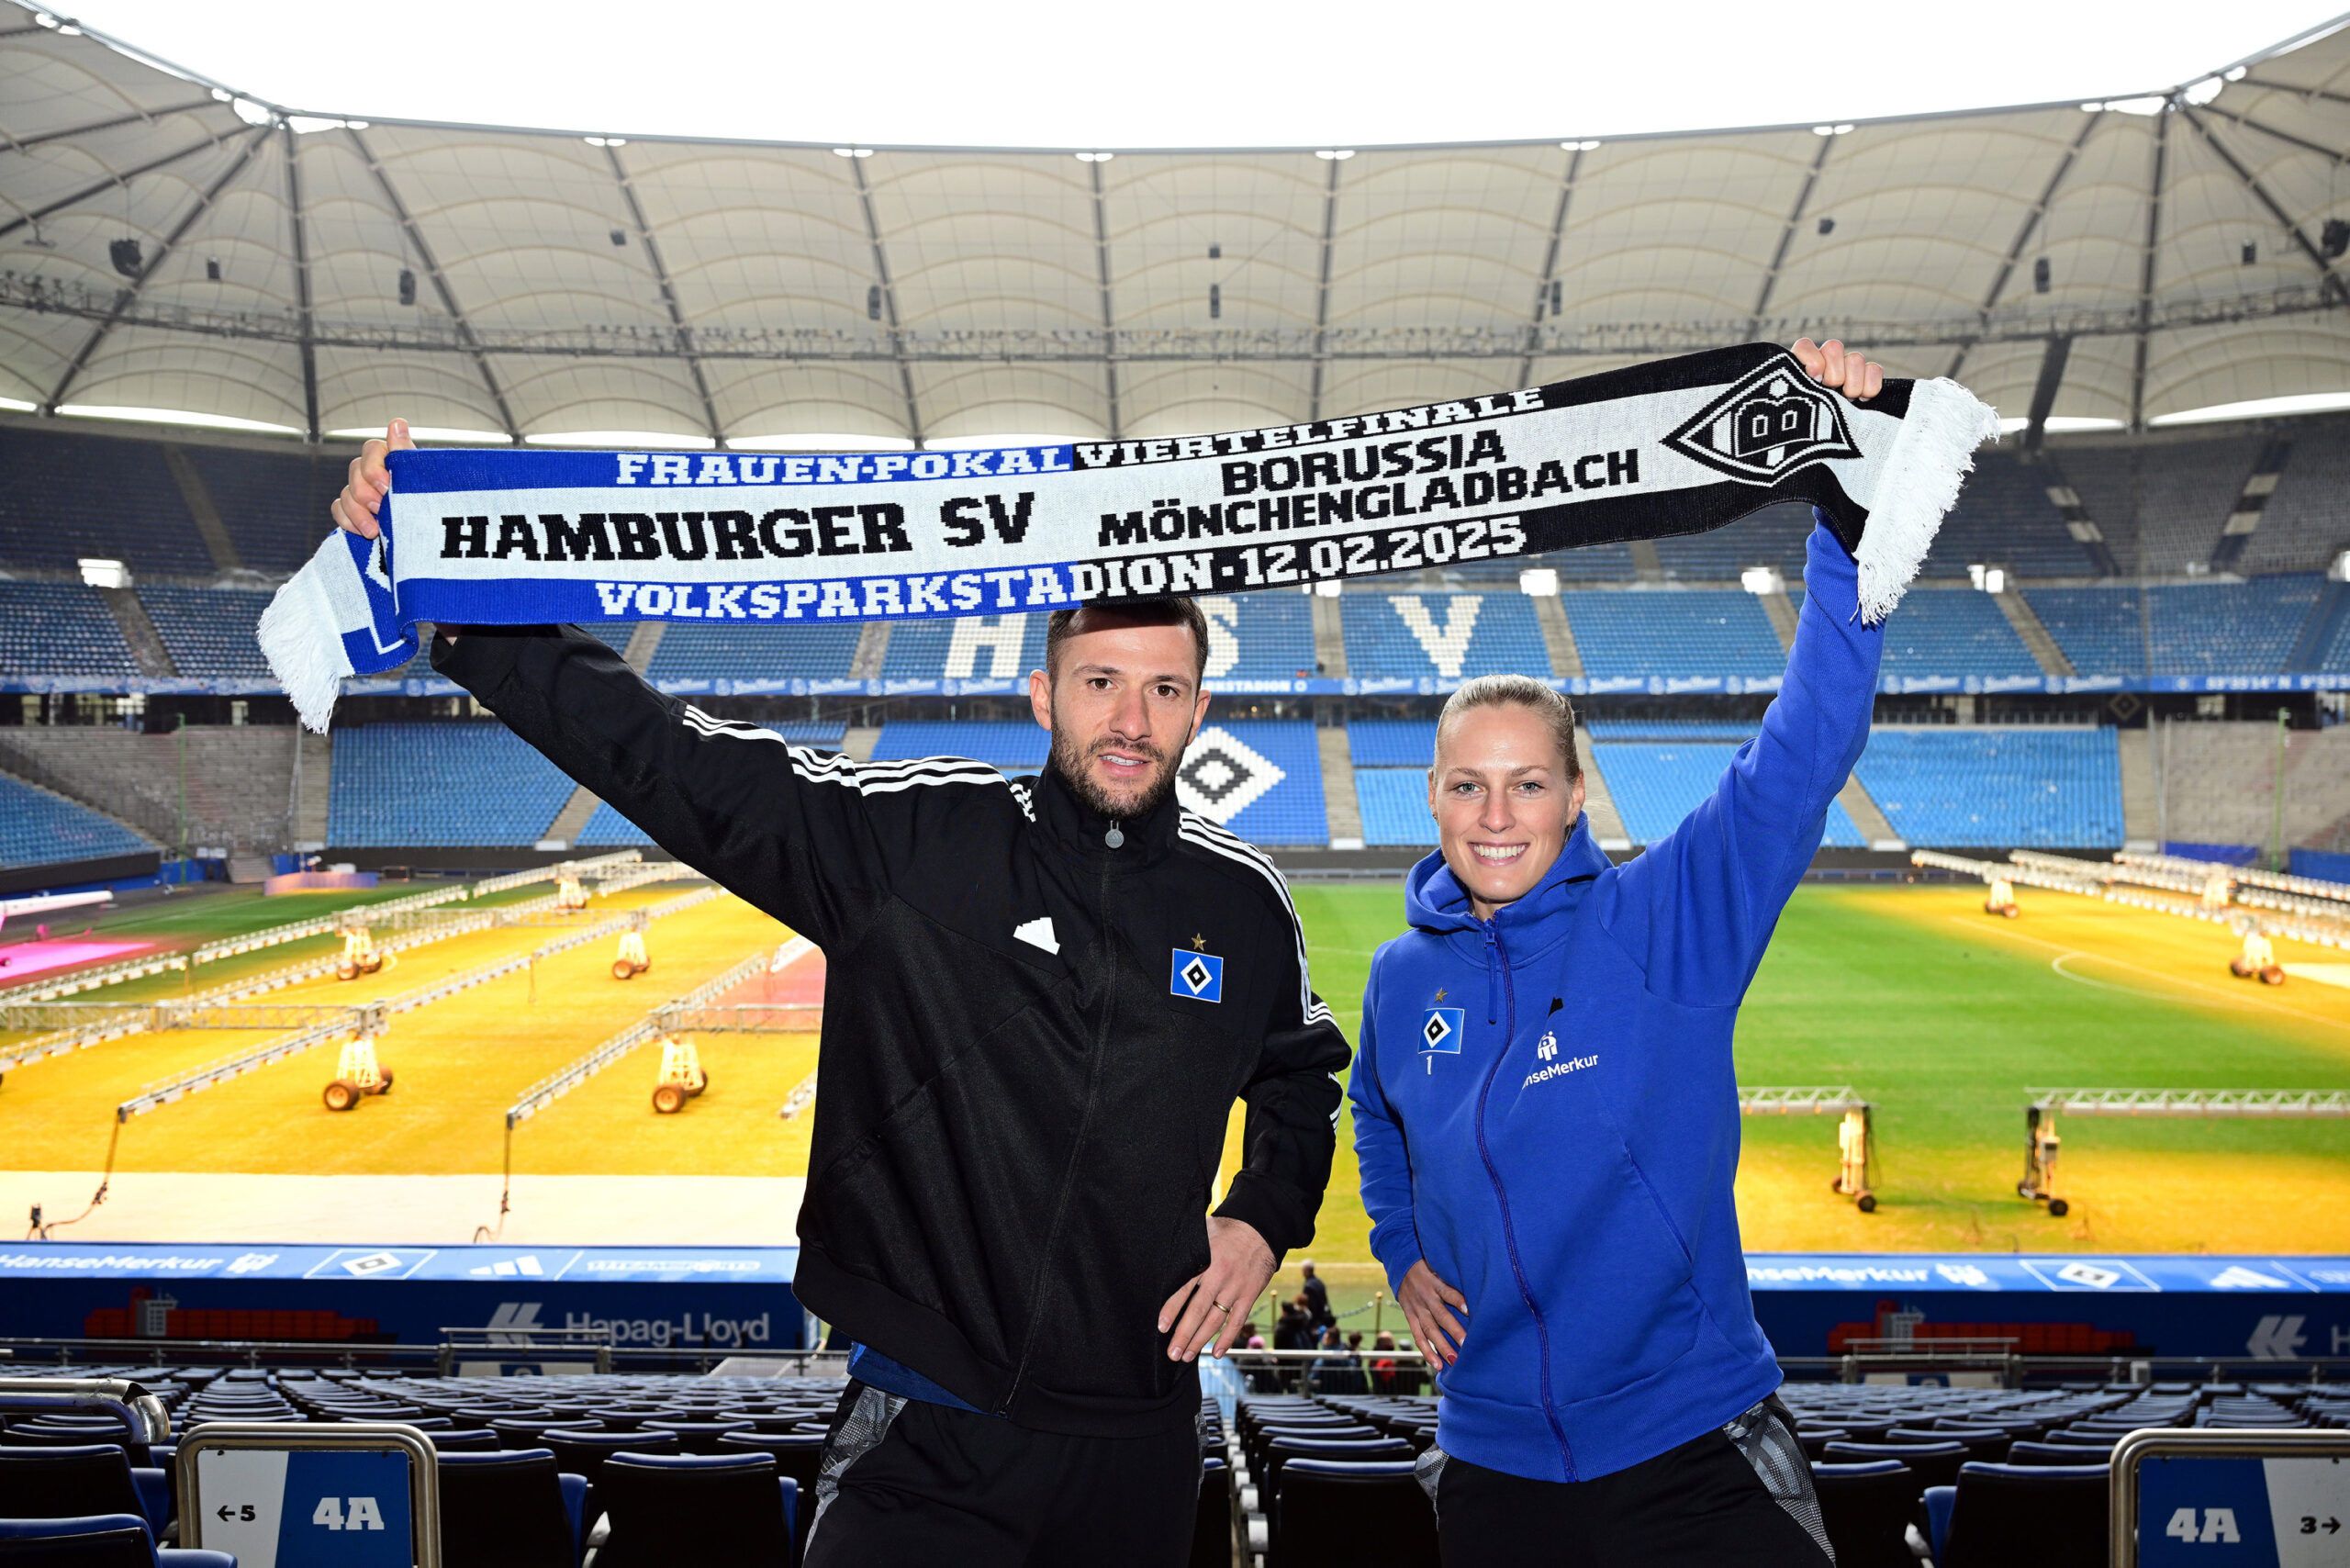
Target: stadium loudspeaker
408,286
128,259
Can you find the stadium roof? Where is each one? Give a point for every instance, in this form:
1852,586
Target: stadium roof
168,243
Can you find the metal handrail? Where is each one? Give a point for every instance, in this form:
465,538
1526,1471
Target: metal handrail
142,1415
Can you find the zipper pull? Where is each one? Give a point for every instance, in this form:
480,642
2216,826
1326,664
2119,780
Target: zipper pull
1492,979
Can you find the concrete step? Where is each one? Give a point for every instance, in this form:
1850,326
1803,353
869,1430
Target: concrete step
2025,621
1606,826
1338,802
643,642
1867,817
146,648
1558,634
1329,642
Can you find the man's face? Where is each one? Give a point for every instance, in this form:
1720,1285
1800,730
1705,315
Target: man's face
1503,803
1121,702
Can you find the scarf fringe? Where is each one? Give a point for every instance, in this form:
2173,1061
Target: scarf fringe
302,639
1930,460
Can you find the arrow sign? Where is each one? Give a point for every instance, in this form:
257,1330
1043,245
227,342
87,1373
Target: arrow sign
225,1512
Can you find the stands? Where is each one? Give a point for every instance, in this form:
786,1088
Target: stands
1655,786
70,494
1694,631
209,632
1954,632
39,828
1450,637
2224,628
60,629
746,651
2042,787
422,785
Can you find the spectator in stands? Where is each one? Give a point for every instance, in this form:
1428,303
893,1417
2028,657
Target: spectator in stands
1006,1177
1546,1116
1317,1295
1338,1369
1295,1329
1382,1368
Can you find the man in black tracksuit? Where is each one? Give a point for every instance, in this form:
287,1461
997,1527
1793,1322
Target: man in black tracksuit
1042,999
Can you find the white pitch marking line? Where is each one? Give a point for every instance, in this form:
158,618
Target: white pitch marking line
2257,1002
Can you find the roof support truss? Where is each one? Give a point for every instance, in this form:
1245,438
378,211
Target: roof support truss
2286,137
2318,93
2154,183
110,181
126,299
1787,234
2024,231
1109,318
1322,286
138,117
1549,266
302,286
889,299
668,295
2329,280
440,284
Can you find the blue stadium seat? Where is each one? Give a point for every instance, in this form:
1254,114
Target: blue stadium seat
1655,786
1772,537
1014,745
1259,637
1393,802
1224,774
38,828
2304,522
209,632
1998,787
1674,729
746,650
2101,630
607,829
976,647
1442,637
2229,628
274,504
70,494
59,629
1945,632
1392,742
2004,517
424,785
1692,631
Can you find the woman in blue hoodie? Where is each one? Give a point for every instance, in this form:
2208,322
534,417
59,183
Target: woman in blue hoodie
1546,1114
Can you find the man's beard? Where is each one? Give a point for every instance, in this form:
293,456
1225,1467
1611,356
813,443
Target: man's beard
1072,765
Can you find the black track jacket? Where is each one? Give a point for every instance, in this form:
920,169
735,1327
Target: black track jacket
1032,1040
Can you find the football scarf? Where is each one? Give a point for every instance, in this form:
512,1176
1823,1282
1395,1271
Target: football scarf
1676,446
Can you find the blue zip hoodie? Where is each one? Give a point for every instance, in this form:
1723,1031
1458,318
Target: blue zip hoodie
1546,1107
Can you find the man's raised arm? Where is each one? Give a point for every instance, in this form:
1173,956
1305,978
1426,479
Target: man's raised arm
789,830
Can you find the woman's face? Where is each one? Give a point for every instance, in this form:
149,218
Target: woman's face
1502,803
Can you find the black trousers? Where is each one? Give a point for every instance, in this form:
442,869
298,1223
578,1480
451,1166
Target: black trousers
908,1482
1714,1500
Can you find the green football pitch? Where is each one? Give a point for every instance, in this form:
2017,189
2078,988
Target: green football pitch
1943,1016
1940,1014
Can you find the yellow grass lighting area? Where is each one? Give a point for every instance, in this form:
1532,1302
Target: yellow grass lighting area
457,1062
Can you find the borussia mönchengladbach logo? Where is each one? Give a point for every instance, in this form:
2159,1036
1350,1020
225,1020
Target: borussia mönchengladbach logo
1773,422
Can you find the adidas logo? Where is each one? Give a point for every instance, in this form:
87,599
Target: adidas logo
1038,933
